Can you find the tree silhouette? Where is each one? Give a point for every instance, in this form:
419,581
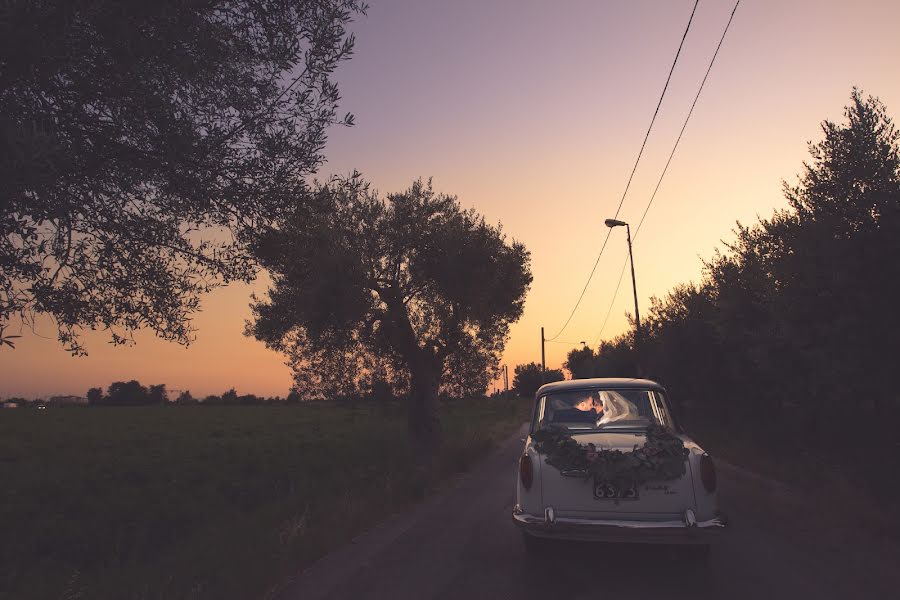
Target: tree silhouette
792,327
581,363
157,394
411,280
142,143
614,358
95,396
229,397
130,393
528,378
185,398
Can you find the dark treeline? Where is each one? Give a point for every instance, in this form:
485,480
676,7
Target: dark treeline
792,328
132,393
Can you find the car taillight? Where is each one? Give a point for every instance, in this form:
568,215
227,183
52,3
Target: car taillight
708,473
526,471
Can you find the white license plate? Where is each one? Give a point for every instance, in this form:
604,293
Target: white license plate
604,490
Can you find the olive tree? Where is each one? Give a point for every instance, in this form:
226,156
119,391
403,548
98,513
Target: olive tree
142,143
411,280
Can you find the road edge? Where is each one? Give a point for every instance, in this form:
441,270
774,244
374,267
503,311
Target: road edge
318,579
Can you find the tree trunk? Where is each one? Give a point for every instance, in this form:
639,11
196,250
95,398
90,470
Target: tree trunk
424,423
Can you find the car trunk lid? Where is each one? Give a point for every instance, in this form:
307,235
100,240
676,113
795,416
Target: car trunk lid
574,495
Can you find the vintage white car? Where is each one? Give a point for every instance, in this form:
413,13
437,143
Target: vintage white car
568,502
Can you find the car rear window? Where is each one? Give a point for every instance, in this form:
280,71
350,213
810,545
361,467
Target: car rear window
594,409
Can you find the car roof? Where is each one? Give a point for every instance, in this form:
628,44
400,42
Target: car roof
598,383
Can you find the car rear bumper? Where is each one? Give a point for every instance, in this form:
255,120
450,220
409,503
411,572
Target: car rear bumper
685,531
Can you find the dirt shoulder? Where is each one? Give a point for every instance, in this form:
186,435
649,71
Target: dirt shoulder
854,532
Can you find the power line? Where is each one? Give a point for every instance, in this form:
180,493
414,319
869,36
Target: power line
688,118
612,302
630,177
568,343
668,162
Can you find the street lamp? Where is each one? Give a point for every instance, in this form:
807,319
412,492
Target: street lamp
637,315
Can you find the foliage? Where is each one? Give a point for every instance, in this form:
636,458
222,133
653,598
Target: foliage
230,397
528,378
324,371
185,398
127,393
142,144
380,390
157,394
612,359
661,458
121,393
469,372
7,339
409,288
95,396
580,363
248,399
207,503
791,328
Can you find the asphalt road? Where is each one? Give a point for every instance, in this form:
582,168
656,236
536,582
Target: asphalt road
462,544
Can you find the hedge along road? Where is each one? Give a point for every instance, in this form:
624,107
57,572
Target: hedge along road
462,544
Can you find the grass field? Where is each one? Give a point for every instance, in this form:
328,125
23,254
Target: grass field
207,502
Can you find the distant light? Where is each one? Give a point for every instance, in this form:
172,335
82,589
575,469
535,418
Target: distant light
615,223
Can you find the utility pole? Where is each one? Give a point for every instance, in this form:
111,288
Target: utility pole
637,314
543,357
638,342
506,382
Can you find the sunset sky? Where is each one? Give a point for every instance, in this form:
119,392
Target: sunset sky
533,113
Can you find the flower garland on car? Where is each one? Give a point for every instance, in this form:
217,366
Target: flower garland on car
661,458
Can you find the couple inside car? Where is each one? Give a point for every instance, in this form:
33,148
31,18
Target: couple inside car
599,407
